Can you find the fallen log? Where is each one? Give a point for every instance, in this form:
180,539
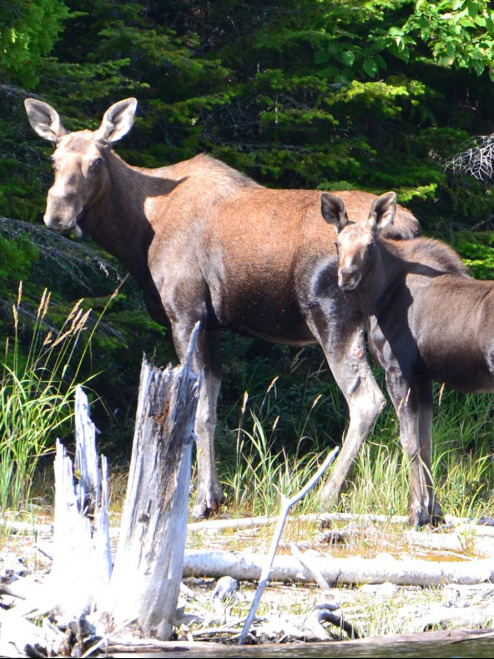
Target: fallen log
246,566
372,646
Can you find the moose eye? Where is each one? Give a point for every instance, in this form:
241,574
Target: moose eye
53,161
96,164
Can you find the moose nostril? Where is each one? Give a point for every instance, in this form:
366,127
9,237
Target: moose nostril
53,220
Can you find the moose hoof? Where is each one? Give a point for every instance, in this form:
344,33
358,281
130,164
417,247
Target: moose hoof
328,496
422,517
437,515
207,505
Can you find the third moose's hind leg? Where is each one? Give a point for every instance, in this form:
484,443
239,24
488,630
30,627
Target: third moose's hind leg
351,370
425,402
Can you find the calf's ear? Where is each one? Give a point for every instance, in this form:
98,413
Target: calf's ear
44,119
333,210
382,211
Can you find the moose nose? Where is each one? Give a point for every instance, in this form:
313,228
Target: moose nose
54,222
348,278
60,215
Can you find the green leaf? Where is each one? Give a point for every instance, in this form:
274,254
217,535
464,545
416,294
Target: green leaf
473,8
370,67
347,57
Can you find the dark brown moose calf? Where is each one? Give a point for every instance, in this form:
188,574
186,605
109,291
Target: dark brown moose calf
426,319
208,244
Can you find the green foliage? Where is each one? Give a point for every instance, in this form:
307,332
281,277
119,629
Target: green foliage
28,31
478,253
318,93
37,384
16,258
457,33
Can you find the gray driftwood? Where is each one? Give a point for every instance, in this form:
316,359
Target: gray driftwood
287,505
148,567
246,566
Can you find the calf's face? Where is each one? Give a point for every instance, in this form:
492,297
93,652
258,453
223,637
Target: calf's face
356,241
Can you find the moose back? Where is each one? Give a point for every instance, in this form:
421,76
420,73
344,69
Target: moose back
208,244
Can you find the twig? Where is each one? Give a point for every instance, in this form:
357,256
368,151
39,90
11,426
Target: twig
106,638
324,614
287,504
312,569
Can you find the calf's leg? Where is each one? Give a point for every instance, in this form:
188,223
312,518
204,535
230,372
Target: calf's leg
413,404
347,360
425,401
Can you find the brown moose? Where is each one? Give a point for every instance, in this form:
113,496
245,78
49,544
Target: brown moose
426,320
208,244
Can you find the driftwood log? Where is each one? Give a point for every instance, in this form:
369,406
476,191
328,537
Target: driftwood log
248,566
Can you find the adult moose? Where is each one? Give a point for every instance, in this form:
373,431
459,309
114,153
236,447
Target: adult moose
427,320
208,244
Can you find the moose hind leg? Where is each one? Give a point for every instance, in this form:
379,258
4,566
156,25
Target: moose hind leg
425,402
365,401
207,365
209,491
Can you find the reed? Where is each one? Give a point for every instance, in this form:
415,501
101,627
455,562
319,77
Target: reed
38,377
463,465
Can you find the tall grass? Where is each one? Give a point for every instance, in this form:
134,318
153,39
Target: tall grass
261,476
38,377
463,465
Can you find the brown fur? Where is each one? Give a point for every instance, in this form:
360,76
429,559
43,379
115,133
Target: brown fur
427,320
208,244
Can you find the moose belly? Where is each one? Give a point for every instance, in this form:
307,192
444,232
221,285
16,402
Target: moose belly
276,321
459,367
453,333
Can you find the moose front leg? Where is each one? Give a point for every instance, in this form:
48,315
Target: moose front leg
413,404
347,360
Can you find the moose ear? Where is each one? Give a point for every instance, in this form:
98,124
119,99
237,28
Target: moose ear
333,210
44,119
117,121
382,211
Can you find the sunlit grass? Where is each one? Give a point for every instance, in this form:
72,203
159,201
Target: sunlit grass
37,386
261,476
463,465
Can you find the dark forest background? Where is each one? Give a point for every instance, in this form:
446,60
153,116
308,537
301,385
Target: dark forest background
295,93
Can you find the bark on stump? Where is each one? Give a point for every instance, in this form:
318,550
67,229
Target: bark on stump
146,577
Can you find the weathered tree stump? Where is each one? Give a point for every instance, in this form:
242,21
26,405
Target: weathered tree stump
146,577
81,553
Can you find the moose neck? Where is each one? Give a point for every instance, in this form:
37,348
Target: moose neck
382,270
118,220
